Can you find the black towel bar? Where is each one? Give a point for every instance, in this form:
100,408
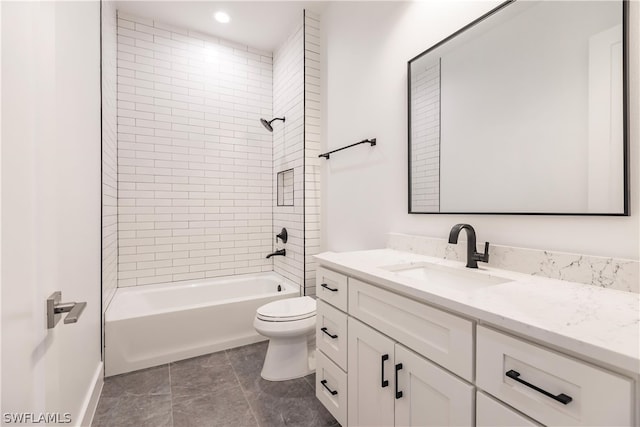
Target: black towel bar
371,141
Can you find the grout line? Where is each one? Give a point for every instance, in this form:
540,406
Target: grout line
170,394
244,393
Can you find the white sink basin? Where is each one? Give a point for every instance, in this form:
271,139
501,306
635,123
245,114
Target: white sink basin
446,277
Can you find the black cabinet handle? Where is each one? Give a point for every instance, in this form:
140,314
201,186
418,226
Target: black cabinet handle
325,331
324,383
562,398
324,285
398,393
385,357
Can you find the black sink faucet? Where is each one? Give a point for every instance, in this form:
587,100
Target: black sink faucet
472,256
282,252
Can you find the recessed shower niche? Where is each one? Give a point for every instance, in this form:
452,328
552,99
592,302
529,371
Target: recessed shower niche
285,188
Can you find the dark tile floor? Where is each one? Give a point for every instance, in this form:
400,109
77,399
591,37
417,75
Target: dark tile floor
218,389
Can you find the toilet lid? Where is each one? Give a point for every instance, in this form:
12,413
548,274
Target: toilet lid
288,309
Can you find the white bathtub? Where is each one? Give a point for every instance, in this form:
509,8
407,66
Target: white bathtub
150,325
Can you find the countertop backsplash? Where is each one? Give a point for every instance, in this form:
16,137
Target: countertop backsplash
611,273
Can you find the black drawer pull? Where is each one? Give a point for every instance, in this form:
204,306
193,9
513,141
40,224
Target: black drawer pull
385,357
562,398
398,393
324,383
324,285
325,331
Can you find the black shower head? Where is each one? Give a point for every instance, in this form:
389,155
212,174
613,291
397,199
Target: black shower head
267,124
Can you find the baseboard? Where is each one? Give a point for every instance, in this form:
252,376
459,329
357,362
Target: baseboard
93,396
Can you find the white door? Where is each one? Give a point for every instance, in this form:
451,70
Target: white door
430,395
370,362
50,165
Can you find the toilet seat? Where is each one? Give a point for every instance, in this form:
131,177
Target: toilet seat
287,310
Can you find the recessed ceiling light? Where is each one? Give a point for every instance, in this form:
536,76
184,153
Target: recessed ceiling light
222,17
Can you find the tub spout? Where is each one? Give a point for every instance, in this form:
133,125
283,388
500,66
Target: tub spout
282,252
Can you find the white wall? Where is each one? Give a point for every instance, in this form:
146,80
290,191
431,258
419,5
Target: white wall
194,162
50,204
296,145
367,46
1,275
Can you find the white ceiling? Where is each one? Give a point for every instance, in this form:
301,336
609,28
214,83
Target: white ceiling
259,24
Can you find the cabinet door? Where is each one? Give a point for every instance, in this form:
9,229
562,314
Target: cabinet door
430,395
370,354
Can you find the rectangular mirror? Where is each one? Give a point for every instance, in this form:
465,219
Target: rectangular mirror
523,112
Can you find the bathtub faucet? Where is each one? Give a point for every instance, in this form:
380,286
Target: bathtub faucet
282,252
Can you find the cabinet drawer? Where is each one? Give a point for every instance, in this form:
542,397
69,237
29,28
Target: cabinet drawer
570,392
332,287
331,387
331,333
491,413
442,337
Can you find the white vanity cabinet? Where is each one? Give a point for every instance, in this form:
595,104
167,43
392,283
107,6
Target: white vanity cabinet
387,359
366,378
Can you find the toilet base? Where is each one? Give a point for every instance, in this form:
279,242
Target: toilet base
286,359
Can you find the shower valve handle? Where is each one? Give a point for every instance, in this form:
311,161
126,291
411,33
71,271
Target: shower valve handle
284,236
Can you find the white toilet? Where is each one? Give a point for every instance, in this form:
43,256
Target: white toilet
287,323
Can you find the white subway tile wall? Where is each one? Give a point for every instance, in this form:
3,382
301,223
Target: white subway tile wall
425,138
296,145
288,150
195,170
312,147
109,154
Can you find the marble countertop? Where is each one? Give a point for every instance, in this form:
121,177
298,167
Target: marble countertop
596,323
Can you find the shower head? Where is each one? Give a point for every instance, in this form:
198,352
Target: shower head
267,124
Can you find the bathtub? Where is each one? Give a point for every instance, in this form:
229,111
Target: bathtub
155,324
